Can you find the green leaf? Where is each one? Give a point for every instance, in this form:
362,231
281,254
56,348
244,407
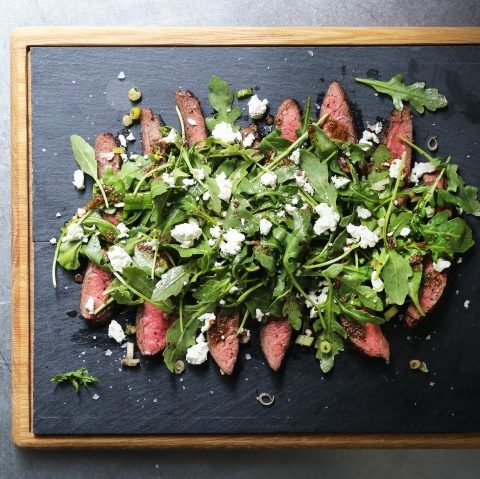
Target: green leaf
93,250
265,258
178,341
68,254
108,230
77,378
274,142
360,315
212,290
317,175
140,201
367,296
414,287
305,118
291,309
419,97
333,271
221,100
324,146
171,283
335,338
395,276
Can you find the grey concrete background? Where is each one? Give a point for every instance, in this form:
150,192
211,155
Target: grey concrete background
186,464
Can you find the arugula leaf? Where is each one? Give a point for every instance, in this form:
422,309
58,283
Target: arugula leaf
178,341
414,287
274,142
221,100
419,97
291,309
93,250
360,315
317,175
68,254
77,378
335,339
395,276
324,146
171,283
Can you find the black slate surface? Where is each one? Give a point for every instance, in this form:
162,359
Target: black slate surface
76,90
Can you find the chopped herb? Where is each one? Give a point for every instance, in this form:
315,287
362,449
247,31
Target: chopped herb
77,378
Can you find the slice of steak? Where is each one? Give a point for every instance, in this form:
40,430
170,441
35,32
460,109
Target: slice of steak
151,134
289,119
274,339
152,326
192,116
223,341
429,179
251,130
400,125
104,144
95,281
368,338
339,124
431,290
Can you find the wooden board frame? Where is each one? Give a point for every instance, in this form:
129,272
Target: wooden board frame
22,243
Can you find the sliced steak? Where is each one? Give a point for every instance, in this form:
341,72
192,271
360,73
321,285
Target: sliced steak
223,341
152,327
192,116
429,179
339,124
151,134
104,144
368,338
274,339
251,130
95,281
431,290
289,119
399,124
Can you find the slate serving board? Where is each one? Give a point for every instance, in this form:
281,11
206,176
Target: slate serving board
76,90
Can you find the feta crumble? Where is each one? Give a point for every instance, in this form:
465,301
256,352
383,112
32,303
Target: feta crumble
215,231
259,314
224,185
198,173
197,354
118,258
187,182
224,132
122,140
115,332
206,196
441,264
395,168
191,121
171,137
121,76
303,183
376,128
369,138
328,219
207,319
419,169
168,179
90,304
123,229
377,283
339,181
269,179
362,235
257,107
78,179
53,240
232,242
265,226
363,213
186,233
74,232
248,140
466,304
405,231
295,156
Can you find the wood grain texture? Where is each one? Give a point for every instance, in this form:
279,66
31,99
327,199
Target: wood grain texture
22,243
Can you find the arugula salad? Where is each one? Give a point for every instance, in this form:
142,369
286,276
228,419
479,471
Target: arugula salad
311,230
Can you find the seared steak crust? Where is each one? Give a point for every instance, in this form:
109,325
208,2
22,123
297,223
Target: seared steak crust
223,341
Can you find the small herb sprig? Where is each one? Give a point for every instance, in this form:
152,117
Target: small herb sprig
77,378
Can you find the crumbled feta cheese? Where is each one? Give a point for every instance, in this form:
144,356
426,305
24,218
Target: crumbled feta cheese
191,121
81,212
115,332
186,233
318,297
211,242
168,179
53,241
118,258
369,138
224,132
429,211
215,231
122,140
232,242
295,156
130,137
206,196
380,185
171,137
197,354
281,214
339,181
395,168
108,352
248,140
376,128
74,232
124,157
58,215
377,283
310,52
290,209
248,356
95,396
363,213
419,169
124,229
265,226
121,76
405,231
233,289
187,182
90,304
328,219
224,185
295,200
257,107
269,179
459,260
362,235
198,173
207,319
441,264
78,179
259,314
466,304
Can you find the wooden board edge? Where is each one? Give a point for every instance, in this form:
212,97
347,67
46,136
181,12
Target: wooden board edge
252,36
22,39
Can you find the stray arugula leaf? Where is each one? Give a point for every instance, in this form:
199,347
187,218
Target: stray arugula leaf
77,378
416,94
221,100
